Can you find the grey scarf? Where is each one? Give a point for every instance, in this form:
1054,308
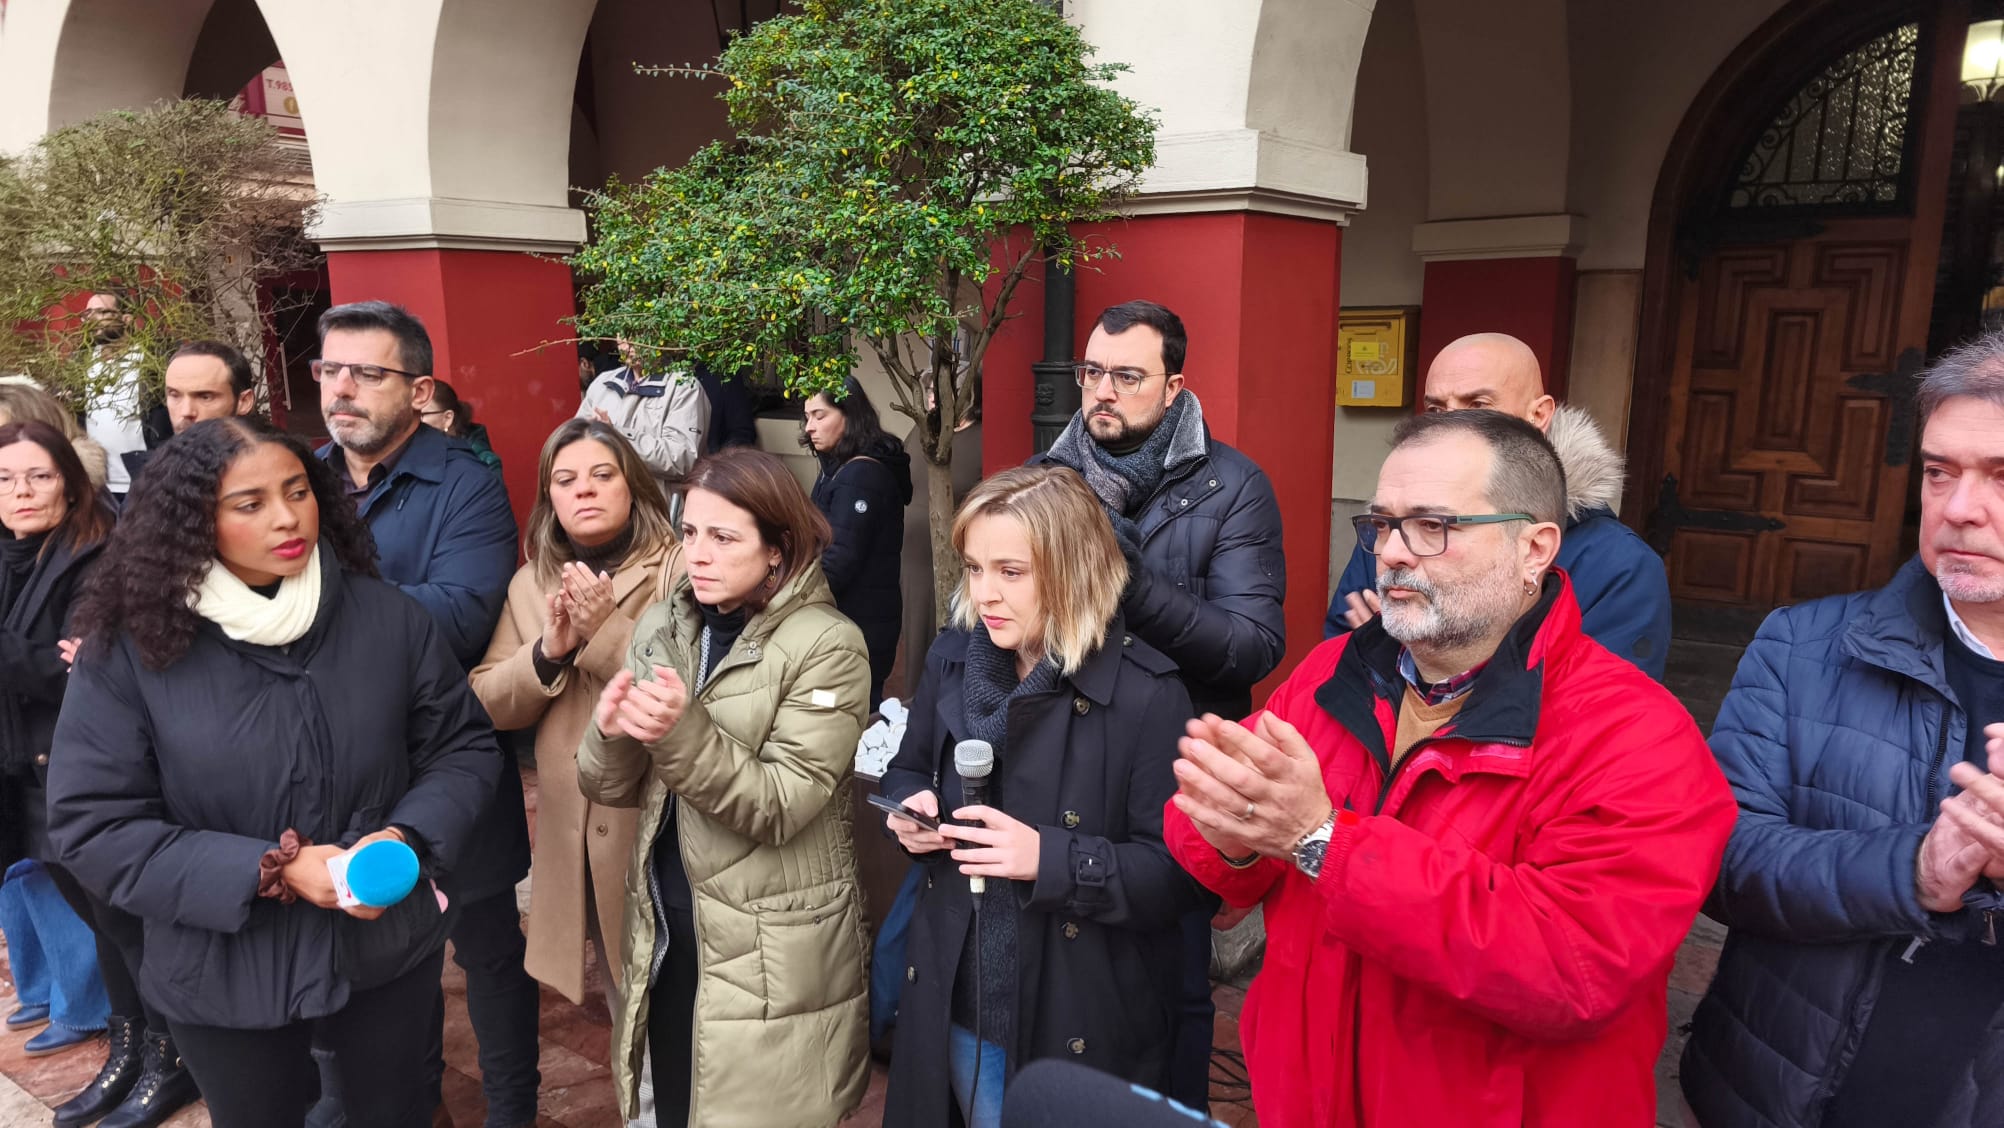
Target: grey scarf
1125,482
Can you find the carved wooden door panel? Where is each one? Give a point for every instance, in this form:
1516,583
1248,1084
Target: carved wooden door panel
1791,427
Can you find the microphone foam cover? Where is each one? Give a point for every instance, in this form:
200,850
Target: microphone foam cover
382,873
973,759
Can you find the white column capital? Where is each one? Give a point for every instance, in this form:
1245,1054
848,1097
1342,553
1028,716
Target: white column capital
1250,170
1513,236
432,223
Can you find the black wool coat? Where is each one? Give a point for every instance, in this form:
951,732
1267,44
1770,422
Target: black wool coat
32,678
166,786
1098,943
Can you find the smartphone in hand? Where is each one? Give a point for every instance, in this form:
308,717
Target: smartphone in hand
892,807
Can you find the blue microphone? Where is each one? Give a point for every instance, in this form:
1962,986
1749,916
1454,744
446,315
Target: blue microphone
382,873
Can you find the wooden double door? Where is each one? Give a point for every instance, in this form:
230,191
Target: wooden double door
1790,417
1788,306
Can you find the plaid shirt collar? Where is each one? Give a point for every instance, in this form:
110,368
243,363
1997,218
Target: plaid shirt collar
1436,693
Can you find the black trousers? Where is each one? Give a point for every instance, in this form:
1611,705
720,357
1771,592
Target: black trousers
671,1020
120,937
502,1002
265,1078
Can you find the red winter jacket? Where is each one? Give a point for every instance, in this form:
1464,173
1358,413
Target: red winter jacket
1491,937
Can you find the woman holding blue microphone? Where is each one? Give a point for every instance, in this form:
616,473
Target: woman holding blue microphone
249,705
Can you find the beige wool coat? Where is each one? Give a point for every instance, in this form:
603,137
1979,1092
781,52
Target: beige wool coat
760,764
570,830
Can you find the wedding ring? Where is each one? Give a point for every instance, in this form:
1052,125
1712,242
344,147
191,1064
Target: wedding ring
1249,811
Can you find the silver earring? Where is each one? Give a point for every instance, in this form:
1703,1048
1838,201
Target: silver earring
1530,587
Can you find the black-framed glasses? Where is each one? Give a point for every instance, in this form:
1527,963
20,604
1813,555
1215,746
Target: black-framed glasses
1126,381
1425,533
367,375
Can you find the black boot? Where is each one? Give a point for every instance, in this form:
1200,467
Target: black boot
113,1082
164,1088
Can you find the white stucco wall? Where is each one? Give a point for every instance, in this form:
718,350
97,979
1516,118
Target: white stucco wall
1389,130
1636,67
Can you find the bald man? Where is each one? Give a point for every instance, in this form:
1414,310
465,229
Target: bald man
1623,591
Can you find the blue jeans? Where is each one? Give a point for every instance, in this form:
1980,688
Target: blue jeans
53,952
887,962
982,1109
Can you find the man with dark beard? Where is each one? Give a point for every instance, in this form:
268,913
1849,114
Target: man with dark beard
1199,526
445,535
1477,834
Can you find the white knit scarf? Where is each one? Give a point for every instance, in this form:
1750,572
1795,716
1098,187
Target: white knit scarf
246,616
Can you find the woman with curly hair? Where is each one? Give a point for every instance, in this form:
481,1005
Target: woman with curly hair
249,702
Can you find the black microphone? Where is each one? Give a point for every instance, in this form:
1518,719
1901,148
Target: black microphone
1057,1094
973,760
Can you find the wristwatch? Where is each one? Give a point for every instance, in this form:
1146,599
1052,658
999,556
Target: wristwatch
1309,851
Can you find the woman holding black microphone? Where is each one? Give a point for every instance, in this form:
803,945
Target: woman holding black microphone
249,702
1073,950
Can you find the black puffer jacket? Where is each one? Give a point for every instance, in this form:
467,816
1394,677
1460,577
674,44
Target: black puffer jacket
167,786
1214,577
864,501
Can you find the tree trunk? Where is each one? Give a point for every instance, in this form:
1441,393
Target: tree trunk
939,514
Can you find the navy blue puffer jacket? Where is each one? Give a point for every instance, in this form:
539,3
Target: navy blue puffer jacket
1836,737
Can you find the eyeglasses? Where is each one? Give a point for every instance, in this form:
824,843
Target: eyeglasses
1126,381
39,481
1425,533
429,412
367,375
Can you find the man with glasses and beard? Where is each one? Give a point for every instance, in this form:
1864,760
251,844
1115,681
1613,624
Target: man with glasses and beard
445,535
1199,526
1478,835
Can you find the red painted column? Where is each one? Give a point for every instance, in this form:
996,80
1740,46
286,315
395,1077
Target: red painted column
487,312
1529,298
1258,296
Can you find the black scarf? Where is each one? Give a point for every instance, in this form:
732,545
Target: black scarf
989,686
17,564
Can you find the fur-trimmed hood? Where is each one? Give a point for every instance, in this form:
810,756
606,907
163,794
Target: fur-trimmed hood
1594,469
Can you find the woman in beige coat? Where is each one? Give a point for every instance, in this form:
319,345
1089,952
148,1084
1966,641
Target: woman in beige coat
733,729
601,549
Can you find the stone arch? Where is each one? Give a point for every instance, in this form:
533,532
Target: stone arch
1253,100
67,60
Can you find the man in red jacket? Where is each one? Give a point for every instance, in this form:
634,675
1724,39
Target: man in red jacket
1478,835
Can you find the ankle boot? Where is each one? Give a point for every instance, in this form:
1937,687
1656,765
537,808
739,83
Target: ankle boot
121,1068
163,1089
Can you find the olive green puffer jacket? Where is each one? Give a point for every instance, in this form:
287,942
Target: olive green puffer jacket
760,763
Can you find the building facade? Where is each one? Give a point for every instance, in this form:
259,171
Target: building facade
1729,228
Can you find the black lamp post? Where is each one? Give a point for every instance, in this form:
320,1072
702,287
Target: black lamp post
1055,396
1056,388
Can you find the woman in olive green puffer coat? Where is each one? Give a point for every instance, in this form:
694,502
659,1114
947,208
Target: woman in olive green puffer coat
745,854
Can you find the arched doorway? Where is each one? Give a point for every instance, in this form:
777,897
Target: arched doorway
1788,301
